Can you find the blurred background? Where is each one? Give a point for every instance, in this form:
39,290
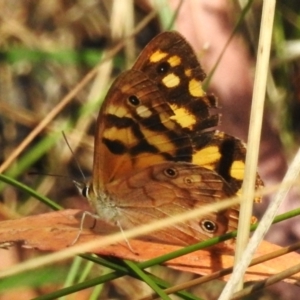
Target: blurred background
48,47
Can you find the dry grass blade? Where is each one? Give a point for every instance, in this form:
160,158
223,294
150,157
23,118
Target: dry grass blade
263,284
289,180
254,136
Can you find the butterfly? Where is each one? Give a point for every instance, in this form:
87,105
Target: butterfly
156,151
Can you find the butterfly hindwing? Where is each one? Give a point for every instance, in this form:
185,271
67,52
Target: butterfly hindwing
168,189
225,155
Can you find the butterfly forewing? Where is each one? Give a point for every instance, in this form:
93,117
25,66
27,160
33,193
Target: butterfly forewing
135,130
171,62
156,129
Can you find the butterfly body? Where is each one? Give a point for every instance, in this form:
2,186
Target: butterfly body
156,154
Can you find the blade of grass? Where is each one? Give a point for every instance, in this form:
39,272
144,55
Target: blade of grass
30,191
288,181
122,270
142,275
269,281
259,92
37,278
67,56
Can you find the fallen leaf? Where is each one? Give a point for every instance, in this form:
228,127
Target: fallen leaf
57,230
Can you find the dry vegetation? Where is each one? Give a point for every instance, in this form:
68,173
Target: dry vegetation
48,47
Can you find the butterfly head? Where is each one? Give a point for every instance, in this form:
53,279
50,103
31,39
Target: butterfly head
83,187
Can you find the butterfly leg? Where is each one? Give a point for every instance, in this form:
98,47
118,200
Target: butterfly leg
85,213
125,238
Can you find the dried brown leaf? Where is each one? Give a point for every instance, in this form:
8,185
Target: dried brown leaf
57,230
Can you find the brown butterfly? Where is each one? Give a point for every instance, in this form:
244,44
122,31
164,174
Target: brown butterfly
156,154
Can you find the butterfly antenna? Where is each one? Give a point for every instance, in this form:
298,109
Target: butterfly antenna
74,156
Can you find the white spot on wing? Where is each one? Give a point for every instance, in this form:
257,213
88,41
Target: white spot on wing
143,111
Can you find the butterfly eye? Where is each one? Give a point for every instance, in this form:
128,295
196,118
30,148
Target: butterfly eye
170,172
85,191
163,68
133,100
209,226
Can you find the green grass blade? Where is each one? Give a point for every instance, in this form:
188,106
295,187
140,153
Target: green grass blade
30,191
144,277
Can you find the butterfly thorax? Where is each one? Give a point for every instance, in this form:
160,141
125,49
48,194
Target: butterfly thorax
103,203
